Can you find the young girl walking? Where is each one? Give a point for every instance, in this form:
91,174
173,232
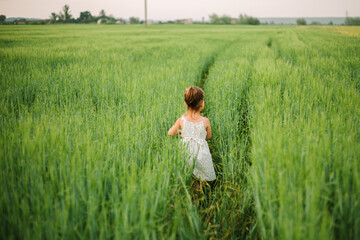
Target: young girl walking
195,130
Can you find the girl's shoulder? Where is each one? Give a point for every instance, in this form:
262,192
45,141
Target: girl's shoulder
206,121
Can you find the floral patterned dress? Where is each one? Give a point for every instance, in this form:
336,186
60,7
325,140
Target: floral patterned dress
194,135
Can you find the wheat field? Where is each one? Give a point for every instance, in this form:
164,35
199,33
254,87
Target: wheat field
84,112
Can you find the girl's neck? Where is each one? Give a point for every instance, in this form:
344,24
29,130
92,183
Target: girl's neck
193,114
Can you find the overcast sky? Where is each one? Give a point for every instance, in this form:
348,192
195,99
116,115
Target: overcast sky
176,9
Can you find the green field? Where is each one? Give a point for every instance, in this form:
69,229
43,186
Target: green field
84,114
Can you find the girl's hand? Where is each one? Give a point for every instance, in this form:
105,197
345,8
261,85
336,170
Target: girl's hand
180,132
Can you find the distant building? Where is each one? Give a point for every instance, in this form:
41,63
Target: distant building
185,21
102,20
233,21
188,21
121,21
150,21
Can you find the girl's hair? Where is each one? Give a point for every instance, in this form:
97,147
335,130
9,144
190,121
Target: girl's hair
193,97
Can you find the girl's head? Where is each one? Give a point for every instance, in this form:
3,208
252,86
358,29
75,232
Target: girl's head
194,98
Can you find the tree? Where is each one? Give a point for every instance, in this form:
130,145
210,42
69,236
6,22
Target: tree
111,18
349,21
253,21
315,23
85,17
60,17
214,19
242,19
102,14
225,19
53,17
245,19
134,20
2,19
67,15
331,23
300,21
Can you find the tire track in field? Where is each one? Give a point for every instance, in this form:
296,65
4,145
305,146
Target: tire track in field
201,83
243,106
213,146
209,63
249,223
207,208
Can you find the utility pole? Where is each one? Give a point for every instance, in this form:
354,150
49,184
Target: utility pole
145,13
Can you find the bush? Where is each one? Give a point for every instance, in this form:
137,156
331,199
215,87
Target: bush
315,23
244,19
2,19
225,19
301,21
214,19
134,20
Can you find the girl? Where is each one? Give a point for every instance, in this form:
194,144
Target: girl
195,131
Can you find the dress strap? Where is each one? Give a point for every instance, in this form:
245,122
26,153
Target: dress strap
183,118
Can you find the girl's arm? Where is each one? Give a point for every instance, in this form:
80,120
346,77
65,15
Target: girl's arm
208,128
174,129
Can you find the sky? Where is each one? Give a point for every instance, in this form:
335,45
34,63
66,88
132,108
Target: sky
180,9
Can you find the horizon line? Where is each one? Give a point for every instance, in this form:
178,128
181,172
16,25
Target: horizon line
209,14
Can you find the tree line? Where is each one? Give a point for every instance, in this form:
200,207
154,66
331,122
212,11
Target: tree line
65,16
352,21
226,19
349,21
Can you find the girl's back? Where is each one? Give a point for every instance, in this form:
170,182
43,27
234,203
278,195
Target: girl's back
194,135
193,130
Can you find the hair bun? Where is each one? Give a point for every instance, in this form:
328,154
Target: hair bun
193,97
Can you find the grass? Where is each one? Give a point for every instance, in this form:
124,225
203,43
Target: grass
346,30
84,111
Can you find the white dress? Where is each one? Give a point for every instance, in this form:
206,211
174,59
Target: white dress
194,135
